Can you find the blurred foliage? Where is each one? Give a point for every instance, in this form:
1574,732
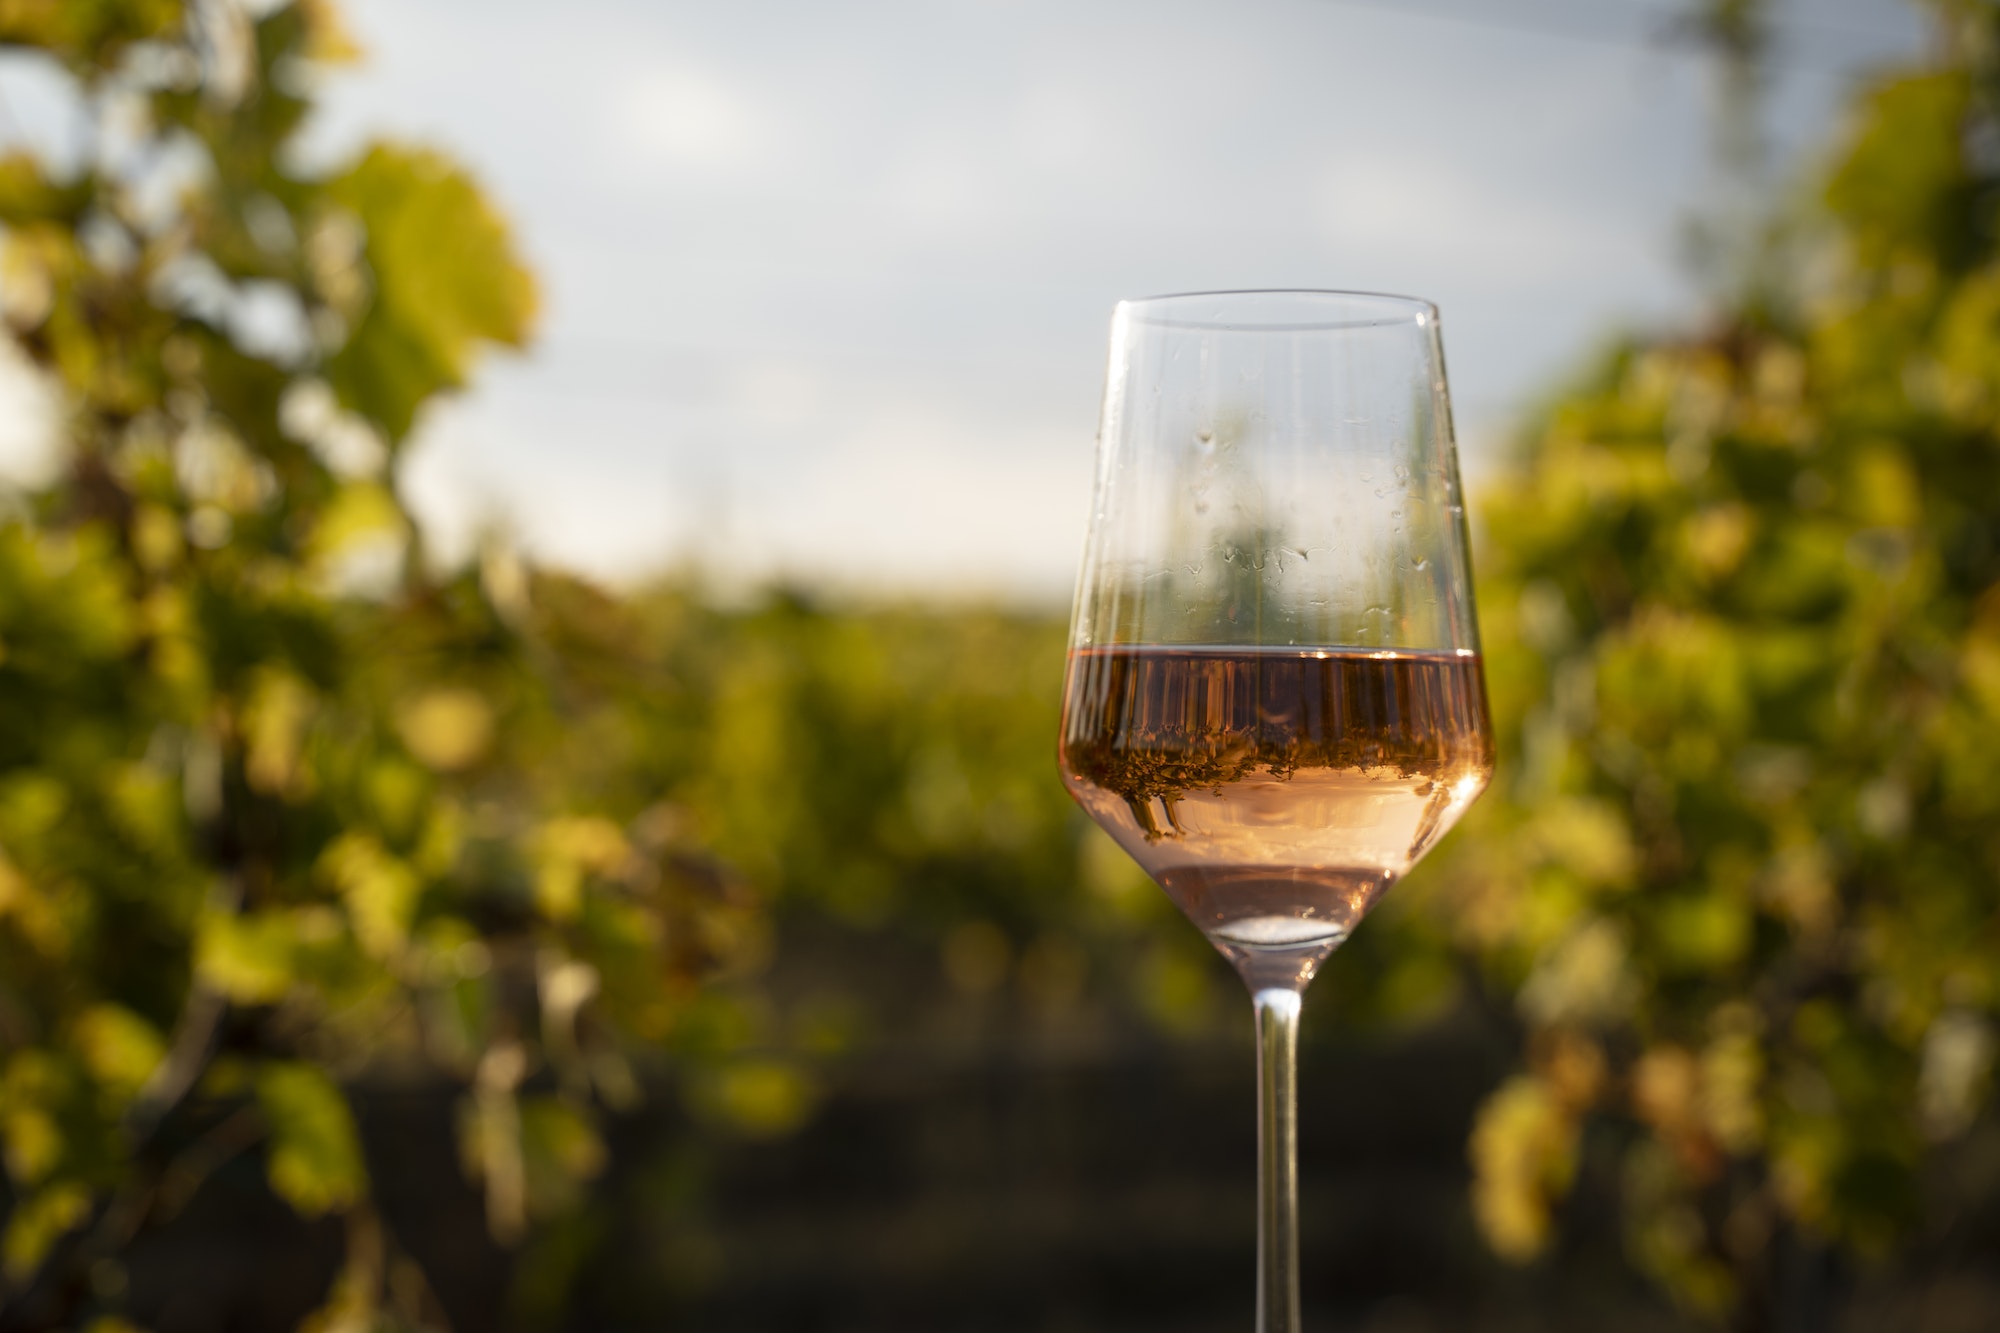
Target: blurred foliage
281,809
287,812
1742,603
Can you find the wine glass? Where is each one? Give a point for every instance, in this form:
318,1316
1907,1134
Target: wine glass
1274,700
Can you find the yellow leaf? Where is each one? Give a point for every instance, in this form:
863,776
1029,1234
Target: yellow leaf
274,725
1886,490
1717,537
760,1098
1980,667
448,729
33,1143
328,38
120,1048
1523,1155
569,847
1666,1091
360,510
1732,1075
379,890
247,958
34,914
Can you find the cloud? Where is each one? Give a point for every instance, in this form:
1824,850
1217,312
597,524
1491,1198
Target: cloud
1429,205
694,118
911,497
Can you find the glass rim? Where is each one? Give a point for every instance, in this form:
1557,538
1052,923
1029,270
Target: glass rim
1390,309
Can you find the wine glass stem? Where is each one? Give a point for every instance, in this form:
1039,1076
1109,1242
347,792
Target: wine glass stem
1277,1160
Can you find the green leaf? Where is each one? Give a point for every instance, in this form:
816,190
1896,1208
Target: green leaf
28,195
445,280
85,31
1905,171
315,1160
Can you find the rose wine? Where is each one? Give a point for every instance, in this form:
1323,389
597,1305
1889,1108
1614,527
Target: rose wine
1275,793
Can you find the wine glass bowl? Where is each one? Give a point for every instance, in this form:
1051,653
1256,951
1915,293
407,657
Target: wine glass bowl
1275,793
1274,699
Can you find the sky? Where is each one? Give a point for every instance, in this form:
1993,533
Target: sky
827,286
